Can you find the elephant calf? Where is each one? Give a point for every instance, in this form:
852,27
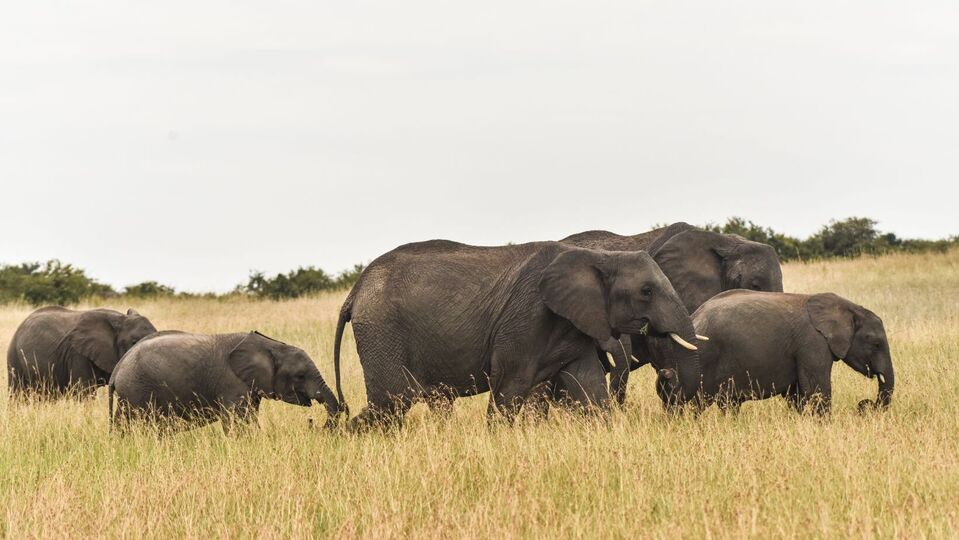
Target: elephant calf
764,344
204,378
57,351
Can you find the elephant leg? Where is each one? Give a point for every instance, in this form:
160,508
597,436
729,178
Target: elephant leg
792,397
538,402
13,383
505,403
81,379
390,387
241,416
17,391
120,423
729,403
583,384
382,417
815,385
509,384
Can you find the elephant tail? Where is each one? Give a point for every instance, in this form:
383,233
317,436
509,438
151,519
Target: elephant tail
346,313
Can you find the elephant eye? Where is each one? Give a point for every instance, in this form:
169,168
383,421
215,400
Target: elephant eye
646,291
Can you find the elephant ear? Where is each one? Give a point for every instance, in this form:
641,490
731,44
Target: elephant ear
572,287
252,361
693,265
832,317
95,338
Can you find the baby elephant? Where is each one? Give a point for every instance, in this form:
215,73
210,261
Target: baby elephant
763,344
202,378
59,352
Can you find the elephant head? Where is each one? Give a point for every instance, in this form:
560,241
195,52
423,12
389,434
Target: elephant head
701,264
131,329
605,294
856,336
279,371
103,336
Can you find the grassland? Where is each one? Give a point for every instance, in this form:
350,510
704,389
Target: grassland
764,472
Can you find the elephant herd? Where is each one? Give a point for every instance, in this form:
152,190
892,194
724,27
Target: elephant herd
537,325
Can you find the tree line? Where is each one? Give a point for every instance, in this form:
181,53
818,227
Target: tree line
54,282
850,237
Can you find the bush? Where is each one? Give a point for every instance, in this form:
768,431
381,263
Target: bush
52,282
148,289
300,282
847,238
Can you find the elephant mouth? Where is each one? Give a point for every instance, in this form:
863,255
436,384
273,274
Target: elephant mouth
636,327
872,373
298,398
865,369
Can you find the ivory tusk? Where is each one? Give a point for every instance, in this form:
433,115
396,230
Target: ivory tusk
882,380
702,338
682,342
612,361
634,359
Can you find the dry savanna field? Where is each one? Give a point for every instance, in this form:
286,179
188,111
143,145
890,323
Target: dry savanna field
764,472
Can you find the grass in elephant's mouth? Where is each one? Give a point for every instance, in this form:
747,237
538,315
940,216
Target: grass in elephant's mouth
764,472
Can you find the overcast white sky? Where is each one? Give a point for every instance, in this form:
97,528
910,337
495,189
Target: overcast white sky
191,142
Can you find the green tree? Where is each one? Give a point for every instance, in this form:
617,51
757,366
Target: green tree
148,289
302,281
52,282
850,237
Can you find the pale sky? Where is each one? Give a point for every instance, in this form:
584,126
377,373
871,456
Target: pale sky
191,142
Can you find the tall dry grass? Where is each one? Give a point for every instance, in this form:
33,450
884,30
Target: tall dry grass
764,472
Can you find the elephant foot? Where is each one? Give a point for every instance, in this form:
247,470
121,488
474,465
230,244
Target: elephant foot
372,419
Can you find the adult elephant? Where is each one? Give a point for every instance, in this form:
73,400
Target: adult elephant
56,351
767,344
700,264
445,318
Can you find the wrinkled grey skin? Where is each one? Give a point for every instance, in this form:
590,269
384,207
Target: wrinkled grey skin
699,264
203,378
57,351
766,344
448,319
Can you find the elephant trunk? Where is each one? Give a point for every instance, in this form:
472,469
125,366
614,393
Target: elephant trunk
619,373
887,383
687,363
325,396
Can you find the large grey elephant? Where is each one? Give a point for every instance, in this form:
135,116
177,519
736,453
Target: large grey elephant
699,264
443,318
765,344
203,378
56,351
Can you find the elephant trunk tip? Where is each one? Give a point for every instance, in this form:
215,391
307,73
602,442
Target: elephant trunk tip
887,384
884,398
